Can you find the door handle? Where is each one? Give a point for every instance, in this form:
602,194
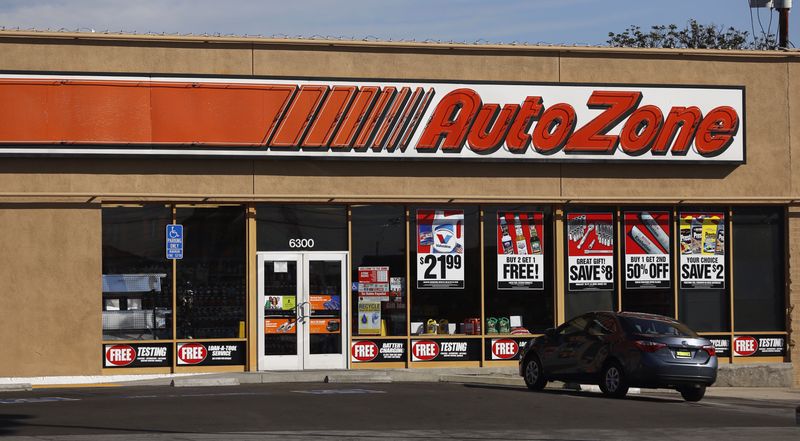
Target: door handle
301,312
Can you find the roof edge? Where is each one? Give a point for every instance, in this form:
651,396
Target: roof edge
377,44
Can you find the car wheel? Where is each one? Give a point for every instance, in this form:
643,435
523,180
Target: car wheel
692,393
613,382
534,374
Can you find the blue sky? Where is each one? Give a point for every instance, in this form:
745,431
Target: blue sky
532,21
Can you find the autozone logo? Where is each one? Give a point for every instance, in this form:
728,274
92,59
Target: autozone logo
120,355
364,351
191,353
504,349
745,346
378,119
424,350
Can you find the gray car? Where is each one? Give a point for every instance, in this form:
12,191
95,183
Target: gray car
618,350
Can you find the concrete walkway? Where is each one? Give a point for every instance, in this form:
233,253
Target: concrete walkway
501,377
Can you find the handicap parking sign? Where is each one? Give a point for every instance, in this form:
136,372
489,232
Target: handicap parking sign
174,241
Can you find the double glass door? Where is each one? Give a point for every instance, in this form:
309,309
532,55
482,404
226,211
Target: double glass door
301,297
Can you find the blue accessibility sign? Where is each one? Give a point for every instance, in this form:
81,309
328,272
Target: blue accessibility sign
174,241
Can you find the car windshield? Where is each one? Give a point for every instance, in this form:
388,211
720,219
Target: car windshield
647,326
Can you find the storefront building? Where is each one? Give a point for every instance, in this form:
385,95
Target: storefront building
179,204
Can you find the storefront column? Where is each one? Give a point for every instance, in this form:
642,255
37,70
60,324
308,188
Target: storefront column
794,290
252,294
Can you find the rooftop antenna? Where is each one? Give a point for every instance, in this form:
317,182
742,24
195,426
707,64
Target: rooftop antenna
783,7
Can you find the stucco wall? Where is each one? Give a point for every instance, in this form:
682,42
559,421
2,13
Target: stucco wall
51,290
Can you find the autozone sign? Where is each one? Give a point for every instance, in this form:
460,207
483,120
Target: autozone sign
369,119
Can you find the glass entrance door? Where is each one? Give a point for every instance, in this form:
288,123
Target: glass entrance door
301,297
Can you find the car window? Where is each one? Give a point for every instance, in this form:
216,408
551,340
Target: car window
603,324
640,325
578,324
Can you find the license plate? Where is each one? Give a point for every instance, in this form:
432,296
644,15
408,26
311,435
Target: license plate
683,354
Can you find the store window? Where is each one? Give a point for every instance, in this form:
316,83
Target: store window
445,270
759,263
211,276
379,269
137,277
301,227
590,261
703,296
518,269
647,263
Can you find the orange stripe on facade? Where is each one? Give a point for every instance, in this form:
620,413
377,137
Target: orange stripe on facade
139,112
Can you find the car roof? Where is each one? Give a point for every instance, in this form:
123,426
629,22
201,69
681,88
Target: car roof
642,315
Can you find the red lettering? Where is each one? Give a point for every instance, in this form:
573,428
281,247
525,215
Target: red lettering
715,133
680,125
450,122
639,132
490,127
518,138
554,128
592,137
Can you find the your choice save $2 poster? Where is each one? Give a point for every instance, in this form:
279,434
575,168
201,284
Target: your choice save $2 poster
440,249
702,250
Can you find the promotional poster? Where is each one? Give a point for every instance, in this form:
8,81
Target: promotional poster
373,281
137,355
211,353
445,350
520,249
647,239
759,345
364,351
369,316
440,249
590,251
702,250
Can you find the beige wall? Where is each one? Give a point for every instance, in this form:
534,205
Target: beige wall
50,283
65,239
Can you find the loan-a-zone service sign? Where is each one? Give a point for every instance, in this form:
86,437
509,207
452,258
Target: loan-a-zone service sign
702,250
647,239
440,249
590,251
520,250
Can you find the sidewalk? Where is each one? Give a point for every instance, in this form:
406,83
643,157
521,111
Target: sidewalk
501,377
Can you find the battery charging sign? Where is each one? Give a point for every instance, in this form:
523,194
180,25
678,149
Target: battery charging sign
647,239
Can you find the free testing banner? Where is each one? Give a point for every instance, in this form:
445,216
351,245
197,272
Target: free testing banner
647,262
702,250
440,249
590,251
520,259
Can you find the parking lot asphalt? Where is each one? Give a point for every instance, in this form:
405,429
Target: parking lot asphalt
382,411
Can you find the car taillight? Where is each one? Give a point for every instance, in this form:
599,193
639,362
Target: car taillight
712,351
649,346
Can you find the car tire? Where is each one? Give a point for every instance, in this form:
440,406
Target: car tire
612,381
534,374
693,393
